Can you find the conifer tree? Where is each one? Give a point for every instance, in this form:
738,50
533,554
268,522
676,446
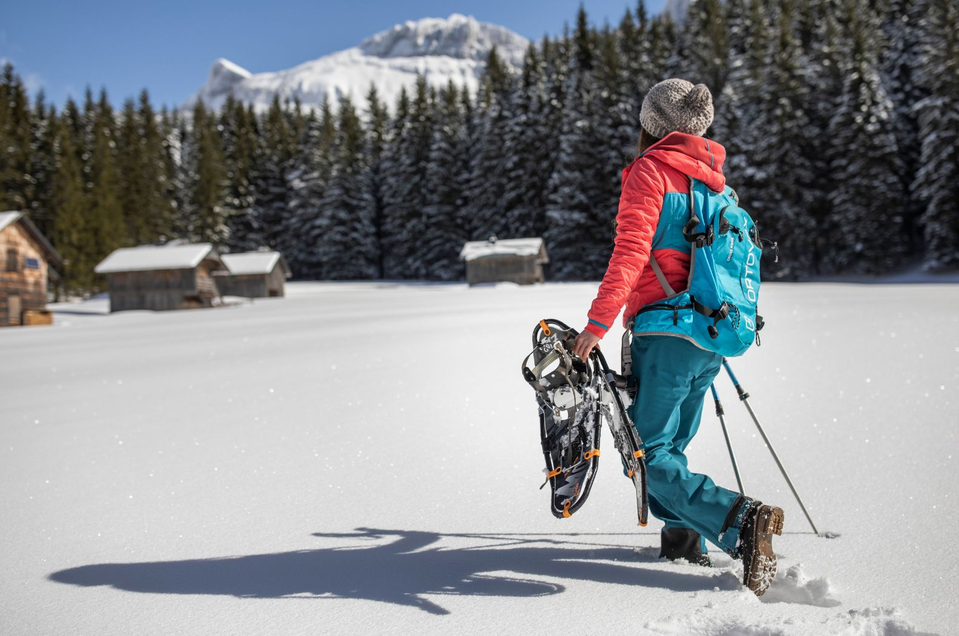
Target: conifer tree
238,126
446,227
157,173
42,164
307,177
376,140
205,213
779,171
347,247
272,184
487,182
106,211
937,182
899,63
867,204
404,190
580,233
528,147
15,142
72,233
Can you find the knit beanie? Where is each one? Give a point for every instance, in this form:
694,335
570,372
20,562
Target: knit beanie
675,105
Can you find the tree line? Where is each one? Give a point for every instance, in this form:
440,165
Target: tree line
840,119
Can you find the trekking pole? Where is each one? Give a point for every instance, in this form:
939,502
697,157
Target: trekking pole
729,445
744,398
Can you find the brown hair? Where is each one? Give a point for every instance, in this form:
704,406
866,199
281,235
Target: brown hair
645,141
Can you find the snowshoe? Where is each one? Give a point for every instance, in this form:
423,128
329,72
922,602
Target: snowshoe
575,397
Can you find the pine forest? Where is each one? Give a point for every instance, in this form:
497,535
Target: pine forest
840,119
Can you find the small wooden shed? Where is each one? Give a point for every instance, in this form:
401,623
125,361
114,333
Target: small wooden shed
260,274
172,276
29,263
505,260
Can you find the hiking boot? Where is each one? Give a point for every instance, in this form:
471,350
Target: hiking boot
756,547
683,543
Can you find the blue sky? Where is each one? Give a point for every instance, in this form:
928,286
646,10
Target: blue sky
167,47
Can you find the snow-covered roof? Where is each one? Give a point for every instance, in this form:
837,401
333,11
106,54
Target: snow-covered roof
503,247
248,263
11,217
151,257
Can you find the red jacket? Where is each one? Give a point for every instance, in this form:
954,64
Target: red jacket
664,168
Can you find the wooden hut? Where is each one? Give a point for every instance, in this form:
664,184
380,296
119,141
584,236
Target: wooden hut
260,274
173,276
507,260
29,264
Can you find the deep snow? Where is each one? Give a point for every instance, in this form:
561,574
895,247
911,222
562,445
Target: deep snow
365,457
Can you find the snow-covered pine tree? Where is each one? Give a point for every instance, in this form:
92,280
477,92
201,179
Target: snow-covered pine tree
377,132
778,169
15,141
487,181
898,63
937,182
238,126
307,177
204,214
528,144
579,236
404,185
702,46
446,226
348,247
42,163
867,202
269,220
736,110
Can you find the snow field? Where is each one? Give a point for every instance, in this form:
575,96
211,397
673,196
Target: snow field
364,457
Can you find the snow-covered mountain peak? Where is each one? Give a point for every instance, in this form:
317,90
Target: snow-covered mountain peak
439,49
458,36
224,74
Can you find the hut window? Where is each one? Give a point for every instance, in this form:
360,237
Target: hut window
13,260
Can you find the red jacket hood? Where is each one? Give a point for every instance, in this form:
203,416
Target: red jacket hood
696,157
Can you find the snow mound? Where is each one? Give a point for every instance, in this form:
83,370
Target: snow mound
794,586
439,49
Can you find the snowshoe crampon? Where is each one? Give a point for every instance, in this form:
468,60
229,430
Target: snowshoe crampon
575,397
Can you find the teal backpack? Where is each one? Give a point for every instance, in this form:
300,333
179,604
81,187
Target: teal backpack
717,310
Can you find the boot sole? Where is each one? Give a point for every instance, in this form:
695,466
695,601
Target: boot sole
760,570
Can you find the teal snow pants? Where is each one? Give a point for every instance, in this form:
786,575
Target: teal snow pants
673,376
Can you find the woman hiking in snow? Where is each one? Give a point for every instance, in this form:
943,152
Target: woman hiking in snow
672,373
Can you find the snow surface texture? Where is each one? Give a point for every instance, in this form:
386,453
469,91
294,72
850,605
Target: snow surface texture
364,458
454,48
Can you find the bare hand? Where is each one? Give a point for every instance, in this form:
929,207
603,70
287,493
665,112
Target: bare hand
584,344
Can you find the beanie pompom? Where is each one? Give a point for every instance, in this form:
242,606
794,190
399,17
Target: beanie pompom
700,98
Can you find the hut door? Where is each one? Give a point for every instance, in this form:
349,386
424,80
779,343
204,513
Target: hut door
13,310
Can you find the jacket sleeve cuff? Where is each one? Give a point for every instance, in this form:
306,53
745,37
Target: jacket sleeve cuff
596,328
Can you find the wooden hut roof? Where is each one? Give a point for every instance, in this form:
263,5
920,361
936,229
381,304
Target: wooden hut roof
9,218
252,263
153,257
504,247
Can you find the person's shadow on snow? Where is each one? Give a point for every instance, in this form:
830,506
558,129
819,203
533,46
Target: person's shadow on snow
401,571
